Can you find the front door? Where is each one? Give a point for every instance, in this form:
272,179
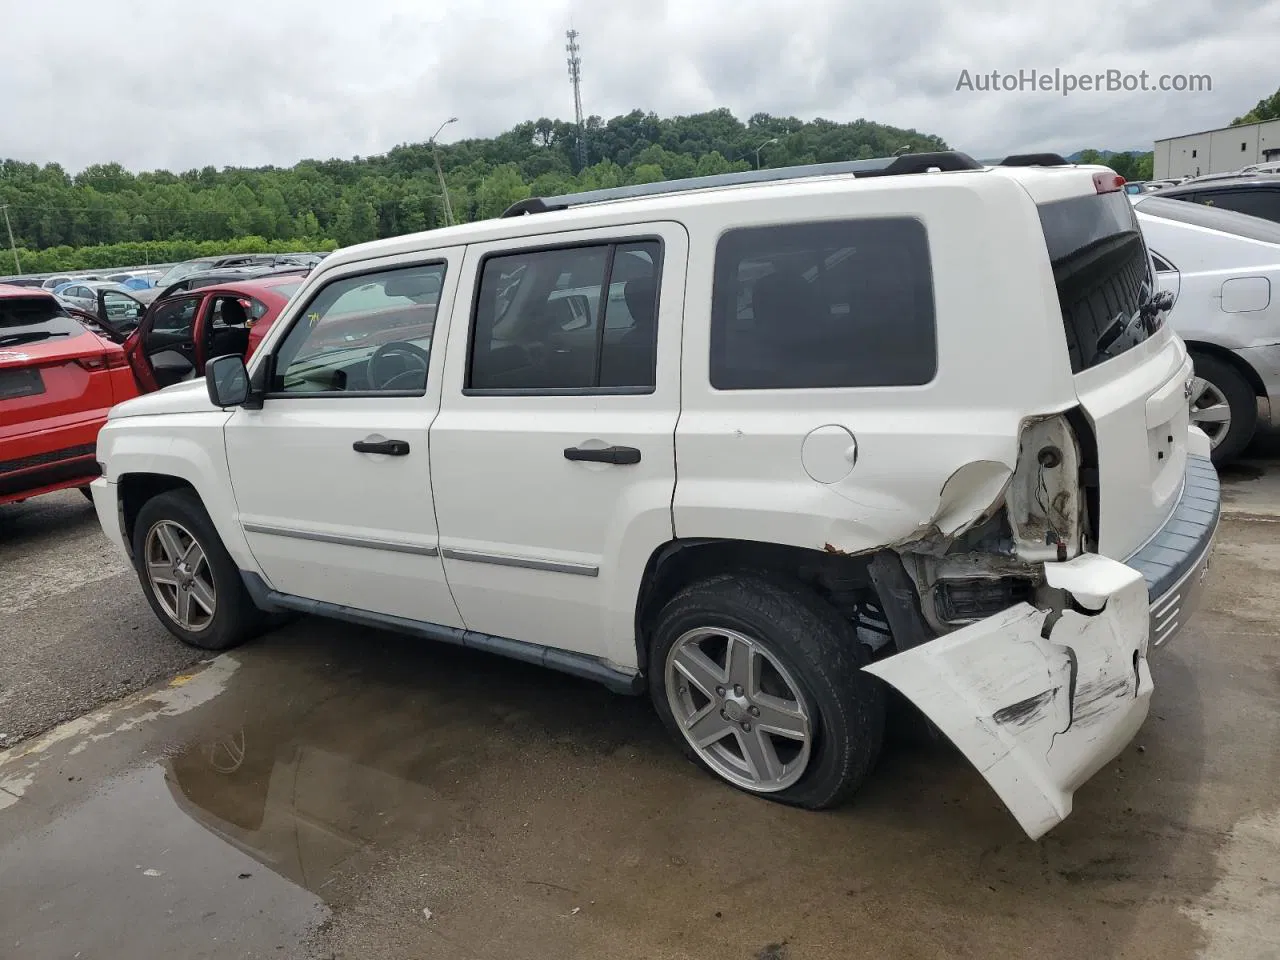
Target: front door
332,475
553,458
162,349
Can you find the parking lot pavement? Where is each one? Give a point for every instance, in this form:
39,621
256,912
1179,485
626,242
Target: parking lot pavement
332,791
75,631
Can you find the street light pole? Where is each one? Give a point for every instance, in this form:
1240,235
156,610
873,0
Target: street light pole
761,147
12,246
448,208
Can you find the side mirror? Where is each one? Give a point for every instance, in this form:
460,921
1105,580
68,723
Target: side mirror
227,380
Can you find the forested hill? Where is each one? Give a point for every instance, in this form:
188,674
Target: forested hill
349,201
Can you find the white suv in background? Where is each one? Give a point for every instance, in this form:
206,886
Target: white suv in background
758,444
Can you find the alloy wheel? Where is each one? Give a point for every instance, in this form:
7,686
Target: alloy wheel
180,577
739,708
1210,410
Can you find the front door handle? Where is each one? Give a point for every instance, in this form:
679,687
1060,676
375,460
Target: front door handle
394,448
621,455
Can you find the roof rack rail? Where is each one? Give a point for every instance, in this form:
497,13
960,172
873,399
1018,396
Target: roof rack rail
1035,160
909,163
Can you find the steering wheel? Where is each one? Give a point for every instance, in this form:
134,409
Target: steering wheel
402,349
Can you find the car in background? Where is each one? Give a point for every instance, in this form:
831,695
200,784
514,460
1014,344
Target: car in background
58,379
1223,270
83,293
205,278
23,282
182,270
171,338
1258,195
52,283
1270,167
136,280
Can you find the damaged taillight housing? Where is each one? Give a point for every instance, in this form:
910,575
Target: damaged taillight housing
1044,501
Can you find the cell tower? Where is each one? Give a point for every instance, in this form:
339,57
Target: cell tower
575,77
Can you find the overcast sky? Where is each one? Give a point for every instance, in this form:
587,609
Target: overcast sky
177,84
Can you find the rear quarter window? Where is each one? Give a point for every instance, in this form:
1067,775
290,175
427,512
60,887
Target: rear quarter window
841,303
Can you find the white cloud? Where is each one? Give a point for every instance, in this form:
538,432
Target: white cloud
156,83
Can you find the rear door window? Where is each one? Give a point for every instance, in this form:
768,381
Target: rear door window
1260,202
1102,273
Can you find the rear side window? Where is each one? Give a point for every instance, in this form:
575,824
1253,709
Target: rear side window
1102,273
1200,215
843,303
1262,202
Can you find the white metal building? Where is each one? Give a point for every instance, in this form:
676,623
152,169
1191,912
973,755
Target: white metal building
1217,151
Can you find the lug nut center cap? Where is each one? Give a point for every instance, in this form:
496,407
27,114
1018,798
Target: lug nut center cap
735,708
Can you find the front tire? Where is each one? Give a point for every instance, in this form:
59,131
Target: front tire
189,579
1223,405
760,681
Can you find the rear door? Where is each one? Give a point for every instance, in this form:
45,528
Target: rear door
553,457
1130,370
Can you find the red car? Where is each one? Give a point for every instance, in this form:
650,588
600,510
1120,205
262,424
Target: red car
171,339
58,379
61,370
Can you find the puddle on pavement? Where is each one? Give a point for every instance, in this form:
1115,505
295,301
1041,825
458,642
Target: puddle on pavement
359,779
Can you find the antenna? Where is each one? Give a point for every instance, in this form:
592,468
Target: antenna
575,77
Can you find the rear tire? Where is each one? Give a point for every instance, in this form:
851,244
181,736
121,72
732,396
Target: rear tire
800,643
1224,385
185,570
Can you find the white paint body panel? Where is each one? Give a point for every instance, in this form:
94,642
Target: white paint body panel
504,489
295,473
538,548
1011,702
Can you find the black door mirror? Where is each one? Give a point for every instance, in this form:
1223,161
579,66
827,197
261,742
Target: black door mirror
227,380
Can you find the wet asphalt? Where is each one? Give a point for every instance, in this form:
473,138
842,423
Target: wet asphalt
333,791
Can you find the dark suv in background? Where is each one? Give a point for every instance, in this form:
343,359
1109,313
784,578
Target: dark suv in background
1255,194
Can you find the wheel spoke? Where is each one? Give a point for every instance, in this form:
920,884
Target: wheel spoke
203,595
192,555
739,663
1217,413
182,607
707,726
169,543
758,751
779,716
1198,386
696,667
161,573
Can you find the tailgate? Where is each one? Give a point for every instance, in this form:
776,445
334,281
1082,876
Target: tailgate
1137,403
1130,371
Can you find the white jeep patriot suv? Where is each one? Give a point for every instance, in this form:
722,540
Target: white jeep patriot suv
761,444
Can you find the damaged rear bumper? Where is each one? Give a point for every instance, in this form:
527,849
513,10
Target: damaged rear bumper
1038,699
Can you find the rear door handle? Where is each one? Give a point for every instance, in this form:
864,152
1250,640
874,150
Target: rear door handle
621,455
394,448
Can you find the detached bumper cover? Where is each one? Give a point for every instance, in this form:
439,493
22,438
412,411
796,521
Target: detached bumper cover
1039,702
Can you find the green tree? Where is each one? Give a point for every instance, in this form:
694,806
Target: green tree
1268,108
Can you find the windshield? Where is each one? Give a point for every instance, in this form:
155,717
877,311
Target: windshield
181,270
286,289
1212,218
25,320
1103,275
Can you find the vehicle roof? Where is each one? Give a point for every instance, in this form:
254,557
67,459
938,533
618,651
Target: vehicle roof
259,288
1043,184
1157,205
9,291
1267,180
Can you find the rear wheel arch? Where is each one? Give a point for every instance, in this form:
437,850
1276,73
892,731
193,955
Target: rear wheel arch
678,563
1233,359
